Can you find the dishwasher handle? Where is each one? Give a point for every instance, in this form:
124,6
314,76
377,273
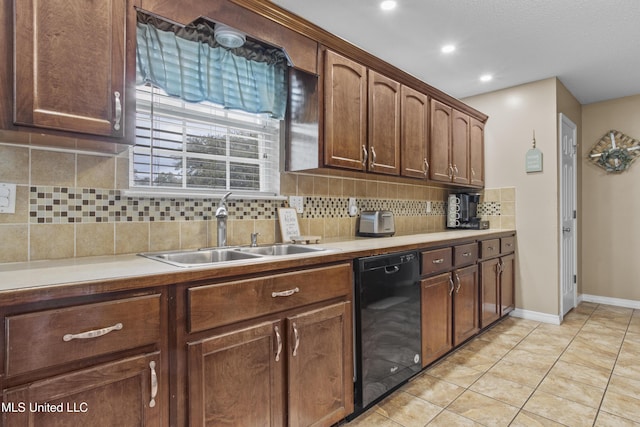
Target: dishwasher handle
391,269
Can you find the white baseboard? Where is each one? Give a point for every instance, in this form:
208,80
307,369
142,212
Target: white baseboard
536,315
618,302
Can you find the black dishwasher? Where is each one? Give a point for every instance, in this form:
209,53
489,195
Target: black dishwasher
387,325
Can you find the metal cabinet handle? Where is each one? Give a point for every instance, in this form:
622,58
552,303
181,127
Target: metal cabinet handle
438,261
458,280
154,384
373,158
297,337
452,286
287,293
500,267
92,334
365,155
279,341
450,173
118,104
473,172
455,170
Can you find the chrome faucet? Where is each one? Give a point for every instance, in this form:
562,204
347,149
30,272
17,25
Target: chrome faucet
222,214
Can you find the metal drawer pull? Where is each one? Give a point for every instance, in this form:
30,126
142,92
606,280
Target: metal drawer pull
154,384
297,344
508,245
285,293
466,254
490,248
279,340
458,280
116,124
92,334
438,261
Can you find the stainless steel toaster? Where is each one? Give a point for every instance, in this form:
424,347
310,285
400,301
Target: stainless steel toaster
376,224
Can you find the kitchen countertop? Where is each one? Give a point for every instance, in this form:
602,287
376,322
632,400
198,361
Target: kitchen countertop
125,271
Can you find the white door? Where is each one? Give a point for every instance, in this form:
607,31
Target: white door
568,215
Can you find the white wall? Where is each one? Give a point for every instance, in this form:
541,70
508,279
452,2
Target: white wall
514,114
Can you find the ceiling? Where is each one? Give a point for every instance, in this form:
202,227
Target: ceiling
592,46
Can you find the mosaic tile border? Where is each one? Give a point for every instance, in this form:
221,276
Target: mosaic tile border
64,205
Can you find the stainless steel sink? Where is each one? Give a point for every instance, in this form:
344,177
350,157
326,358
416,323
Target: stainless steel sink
200,257
279,250
193,258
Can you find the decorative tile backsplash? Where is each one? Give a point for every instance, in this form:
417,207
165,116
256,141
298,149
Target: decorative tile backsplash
64,205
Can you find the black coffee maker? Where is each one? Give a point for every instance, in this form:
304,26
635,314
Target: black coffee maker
462,211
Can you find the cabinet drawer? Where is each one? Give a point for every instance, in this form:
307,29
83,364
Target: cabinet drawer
436,261
53,337
222,304
507,245
489,248
465,254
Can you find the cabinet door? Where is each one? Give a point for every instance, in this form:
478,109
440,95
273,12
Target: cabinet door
235,379
436,317
460,147
440,142
465,304
507,284
489,292
320,349
123,393
345,112
414,133
70,65
384,124
476,153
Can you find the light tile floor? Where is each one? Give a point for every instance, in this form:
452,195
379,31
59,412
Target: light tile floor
585,372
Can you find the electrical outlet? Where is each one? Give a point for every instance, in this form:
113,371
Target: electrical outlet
297,202
7,198
353,206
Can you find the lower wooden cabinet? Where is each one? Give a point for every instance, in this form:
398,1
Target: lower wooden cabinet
286,360
497,280
120,393
449,311
465,304
293,371
437,338
238,378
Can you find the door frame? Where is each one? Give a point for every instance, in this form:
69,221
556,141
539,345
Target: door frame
562,120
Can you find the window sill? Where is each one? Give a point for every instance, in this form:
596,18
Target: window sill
197,194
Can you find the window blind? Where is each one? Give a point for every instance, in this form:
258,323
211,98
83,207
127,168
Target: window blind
202,146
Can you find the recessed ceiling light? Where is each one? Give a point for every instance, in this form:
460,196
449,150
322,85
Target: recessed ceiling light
486,78
448,48
388,5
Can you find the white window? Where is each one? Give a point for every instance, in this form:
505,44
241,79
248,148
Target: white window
202,146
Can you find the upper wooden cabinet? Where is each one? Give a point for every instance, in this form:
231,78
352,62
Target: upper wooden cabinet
357,99
70,65
476,153
414,117
345,112
460,147
384,124
440,168
456,146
